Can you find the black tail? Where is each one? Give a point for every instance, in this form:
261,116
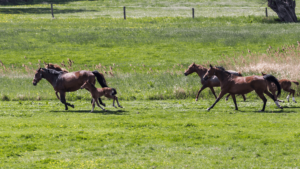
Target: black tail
100,78
274,80
114,92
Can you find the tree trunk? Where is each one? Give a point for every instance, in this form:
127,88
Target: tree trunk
285,9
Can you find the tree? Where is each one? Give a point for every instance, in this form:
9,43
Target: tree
285,9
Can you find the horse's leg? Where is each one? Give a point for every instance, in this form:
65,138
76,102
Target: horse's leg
114,98
101,102
226,98
93,105
234,101
293,92
118,102
200,90
222,93
63,100
213,91
57,95
261,95
244,97
99,105
273,97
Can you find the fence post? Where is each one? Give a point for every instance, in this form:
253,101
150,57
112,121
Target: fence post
124,11
266,12
52,10
193,11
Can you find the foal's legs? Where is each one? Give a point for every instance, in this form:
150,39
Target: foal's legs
213,91
222,93
234,100
200,90
291,92
116,98
63,100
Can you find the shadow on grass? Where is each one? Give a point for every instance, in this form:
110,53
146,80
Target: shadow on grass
107,112
40,11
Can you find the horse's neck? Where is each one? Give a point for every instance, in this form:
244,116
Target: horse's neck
201,72
222,76
50,78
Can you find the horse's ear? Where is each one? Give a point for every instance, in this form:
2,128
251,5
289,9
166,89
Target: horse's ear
193,63
210,66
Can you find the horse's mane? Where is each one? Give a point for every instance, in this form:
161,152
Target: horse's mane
52,71
223,69
55,67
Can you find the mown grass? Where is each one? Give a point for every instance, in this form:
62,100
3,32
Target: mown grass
149,134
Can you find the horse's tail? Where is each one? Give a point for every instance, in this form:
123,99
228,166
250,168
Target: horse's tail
100,78
297,83
114,92
273,79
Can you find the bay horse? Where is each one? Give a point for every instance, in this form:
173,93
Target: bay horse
233,84
285,85
98,92
67,82
211,82
58,68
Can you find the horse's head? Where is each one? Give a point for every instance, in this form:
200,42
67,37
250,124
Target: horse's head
84,86
191,69
210,72
38,76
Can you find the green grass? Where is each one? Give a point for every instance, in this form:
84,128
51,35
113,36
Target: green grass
147,134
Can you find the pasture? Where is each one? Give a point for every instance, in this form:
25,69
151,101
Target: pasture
144,57
149,134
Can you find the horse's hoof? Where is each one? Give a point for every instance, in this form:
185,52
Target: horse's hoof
103,104
72,106
120,106
104,110
196,99
208,109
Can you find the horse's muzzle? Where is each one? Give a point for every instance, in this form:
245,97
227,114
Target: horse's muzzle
34,83
185,74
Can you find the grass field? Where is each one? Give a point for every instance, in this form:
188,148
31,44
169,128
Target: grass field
149,134
144,57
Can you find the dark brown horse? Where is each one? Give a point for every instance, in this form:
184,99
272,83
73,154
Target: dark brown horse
285,85
211,82
67,82
233,85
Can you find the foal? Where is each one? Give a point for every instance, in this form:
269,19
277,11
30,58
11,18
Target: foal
285,85
98,92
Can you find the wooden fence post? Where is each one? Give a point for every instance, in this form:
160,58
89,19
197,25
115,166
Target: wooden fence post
193,11
52,10
266,12
124,11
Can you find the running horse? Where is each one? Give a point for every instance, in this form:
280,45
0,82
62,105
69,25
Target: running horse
58,68
63,82
233,85
285,85
211,82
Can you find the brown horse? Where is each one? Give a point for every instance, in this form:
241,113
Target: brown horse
98,92
285,85
67,82
233,84
211,82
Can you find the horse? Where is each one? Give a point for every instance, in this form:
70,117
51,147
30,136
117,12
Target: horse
233,84
58,68
285,85
98,92
67,82
55,67
211,82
